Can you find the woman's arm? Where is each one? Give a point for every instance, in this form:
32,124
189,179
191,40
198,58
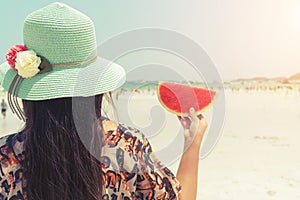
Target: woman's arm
187,174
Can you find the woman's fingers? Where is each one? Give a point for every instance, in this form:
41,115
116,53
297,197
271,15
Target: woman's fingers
200,116
197,118
194,128
188,122
185,122
193,114
192,119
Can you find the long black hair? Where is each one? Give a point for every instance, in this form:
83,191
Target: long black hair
62,149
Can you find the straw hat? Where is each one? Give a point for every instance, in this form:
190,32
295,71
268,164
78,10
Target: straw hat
59,58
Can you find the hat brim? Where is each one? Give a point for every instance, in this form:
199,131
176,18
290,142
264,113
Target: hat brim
88,80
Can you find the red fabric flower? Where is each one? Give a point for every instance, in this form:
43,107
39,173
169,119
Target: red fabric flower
12,54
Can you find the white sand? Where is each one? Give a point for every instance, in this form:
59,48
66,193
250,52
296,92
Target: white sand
258,155
256,158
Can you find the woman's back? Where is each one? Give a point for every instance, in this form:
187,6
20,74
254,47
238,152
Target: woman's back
129,168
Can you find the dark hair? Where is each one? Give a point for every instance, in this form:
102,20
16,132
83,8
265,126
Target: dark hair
59,163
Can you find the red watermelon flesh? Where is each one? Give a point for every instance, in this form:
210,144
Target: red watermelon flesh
178,98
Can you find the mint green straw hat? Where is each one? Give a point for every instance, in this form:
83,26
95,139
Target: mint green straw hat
66,39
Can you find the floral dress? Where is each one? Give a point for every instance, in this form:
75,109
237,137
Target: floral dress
129,167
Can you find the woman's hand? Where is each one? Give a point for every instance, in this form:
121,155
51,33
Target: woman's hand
187,174
194,128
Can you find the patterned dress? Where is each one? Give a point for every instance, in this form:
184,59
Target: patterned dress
130,169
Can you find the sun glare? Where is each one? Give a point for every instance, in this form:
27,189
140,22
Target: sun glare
296,15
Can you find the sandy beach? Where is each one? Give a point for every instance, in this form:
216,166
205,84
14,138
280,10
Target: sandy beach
256,157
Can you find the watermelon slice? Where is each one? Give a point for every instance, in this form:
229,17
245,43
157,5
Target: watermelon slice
178,98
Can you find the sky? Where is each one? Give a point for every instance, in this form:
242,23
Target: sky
243,38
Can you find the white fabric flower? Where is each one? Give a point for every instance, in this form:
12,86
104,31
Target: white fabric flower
27,63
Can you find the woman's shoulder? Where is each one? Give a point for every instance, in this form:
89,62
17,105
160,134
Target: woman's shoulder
11,153
121,139
11,139
120,131
6,139
11,146
110,124
128,155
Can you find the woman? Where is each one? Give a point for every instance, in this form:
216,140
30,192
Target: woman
68,149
